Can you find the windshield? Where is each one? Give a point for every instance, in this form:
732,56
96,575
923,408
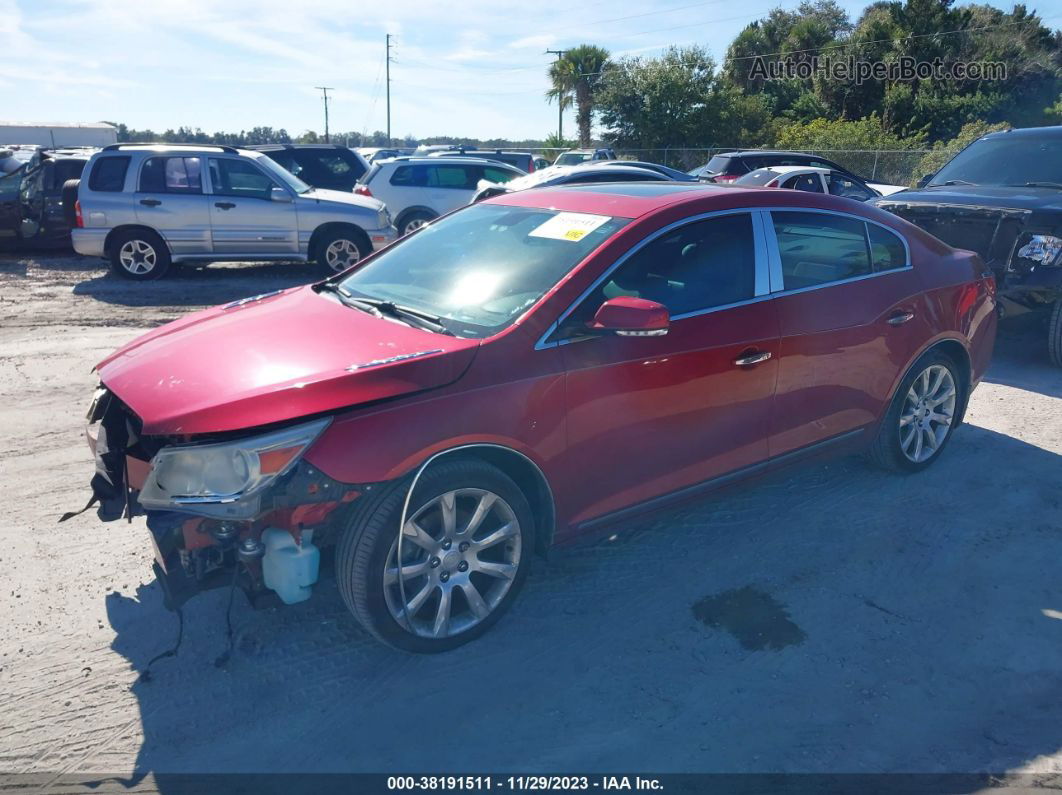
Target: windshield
572,158
1005,160
481,268
283,174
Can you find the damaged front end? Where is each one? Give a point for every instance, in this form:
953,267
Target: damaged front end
243,508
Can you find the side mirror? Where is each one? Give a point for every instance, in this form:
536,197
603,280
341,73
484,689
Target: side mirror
279,195
924,180
627,316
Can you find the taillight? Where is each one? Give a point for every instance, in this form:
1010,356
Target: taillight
724,177
362,190
78,220
532,164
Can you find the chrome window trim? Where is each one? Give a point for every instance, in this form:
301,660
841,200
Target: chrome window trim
760,263
777,281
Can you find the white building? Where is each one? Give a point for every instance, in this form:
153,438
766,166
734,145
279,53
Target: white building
55,134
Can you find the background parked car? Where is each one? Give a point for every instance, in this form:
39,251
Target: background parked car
667,171
31,193
571,175
419,189
524,161
574,157
812,180
144,206
320,165
373,153
1002,197
541,162
728,166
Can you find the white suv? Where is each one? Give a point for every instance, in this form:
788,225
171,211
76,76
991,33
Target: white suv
419,189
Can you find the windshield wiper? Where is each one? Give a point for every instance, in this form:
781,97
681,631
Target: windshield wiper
1038,185
414,317
951,182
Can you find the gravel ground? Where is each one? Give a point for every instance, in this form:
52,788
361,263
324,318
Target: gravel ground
830,618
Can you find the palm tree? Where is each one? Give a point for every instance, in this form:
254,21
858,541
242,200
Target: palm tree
578,72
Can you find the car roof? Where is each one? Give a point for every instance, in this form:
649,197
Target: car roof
1028,132
281,147
460,160
791,169
633,200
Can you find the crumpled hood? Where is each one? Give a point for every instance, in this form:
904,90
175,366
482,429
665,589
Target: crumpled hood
342,197
978,196
273,358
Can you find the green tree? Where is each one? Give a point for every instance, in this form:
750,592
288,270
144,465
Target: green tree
577,75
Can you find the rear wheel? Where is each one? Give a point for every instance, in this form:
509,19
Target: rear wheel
414,221
465,553
139,254
922,415
1054,334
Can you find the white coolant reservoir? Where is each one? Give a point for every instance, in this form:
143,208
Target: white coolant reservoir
289,568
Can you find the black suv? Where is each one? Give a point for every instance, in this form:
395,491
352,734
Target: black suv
31,193
1002,197
728,166
328,166
524,161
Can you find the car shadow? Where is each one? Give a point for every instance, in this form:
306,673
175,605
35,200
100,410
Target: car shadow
1021,360
186,285
917,624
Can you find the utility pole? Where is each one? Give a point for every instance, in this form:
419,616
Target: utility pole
324,96
560,100
387,64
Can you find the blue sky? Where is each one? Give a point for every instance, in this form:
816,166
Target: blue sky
472,68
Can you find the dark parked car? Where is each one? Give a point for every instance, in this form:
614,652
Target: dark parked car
31,194
520,372
1002,197
728,166
328,166
574,157
667,171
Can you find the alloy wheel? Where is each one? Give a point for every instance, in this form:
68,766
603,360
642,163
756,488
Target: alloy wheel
460,555
138,257
412,225
927,414
341,254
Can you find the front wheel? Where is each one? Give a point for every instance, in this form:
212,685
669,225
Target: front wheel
922,415
341,250
466,545
1054,334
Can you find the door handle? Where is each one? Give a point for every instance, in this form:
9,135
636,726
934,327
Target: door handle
900,318
224,205
749,359
150,202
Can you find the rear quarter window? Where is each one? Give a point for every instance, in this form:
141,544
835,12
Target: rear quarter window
108,173
887,250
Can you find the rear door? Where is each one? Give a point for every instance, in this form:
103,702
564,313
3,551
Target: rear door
169,199
850,313
244,218
652,415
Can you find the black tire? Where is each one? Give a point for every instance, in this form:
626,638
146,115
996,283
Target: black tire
886,450
410,222
353,247
366,545
133,245
68,196
1054,334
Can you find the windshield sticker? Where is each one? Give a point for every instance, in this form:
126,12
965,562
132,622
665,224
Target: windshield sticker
569,226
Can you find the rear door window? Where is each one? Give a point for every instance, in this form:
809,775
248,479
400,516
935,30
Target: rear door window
453,176
819,248
805,182
108,173
171,175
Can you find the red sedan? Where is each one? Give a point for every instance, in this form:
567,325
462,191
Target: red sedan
523,370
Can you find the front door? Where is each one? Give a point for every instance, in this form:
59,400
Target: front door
653,415
850,317
170,200
244,218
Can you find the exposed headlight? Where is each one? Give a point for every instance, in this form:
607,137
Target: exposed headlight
1041,249
224,474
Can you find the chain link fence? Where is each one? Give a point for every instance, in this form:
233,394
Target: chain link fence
891,166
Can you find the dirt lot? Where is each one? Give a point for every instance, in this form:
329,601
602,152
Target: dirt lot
830,618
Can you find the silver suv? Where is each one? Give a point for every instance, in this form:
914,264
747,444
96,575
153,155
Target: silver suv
145,206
